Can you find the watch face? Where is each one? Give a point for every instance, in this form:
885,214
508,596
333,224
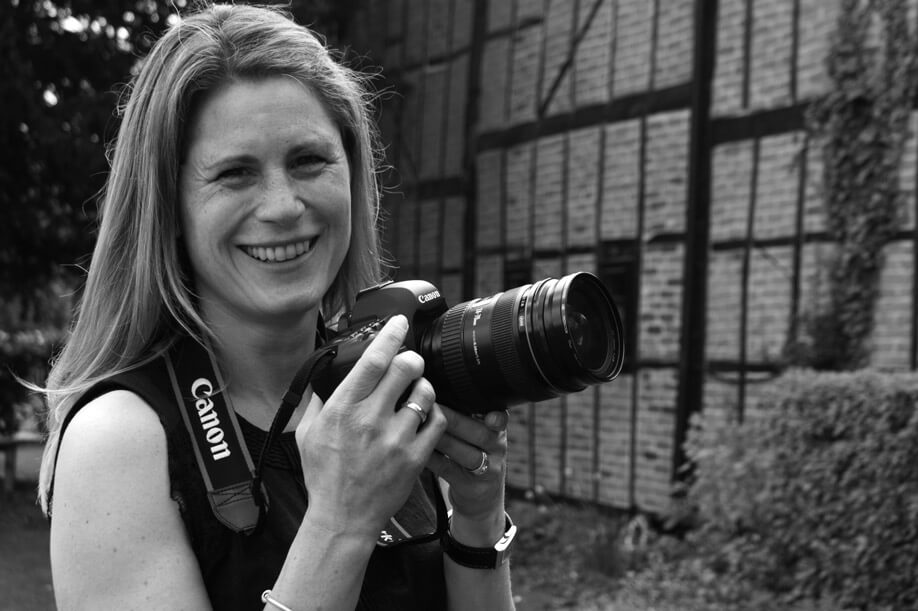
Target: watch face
506,540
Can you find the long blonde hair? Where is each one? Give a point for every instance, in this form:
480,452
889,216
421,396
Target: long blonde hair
137,296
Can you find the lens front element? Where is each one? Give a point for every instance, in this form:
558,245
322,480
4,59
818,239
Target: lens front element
593,327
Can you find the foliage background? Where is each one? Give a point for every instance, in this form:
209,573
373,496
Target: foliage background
861,125
814,499
63,67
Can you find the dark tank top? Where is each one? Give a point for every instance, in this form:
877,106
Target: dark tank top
237,568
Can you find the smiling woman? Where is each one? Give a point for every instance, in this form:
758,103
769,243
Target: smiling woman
265,202
240,211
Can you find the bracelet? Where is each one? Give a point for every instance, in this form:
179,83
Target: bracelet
267,598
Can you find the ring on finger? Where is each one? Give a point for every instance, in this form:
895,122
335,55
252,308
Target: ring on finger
417,409
482,468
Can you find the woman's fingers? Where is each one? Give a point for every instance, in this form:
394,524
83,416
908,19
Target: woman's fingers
375,360
478,430
404,370
420,402
497,421
473,443
471,456
384,369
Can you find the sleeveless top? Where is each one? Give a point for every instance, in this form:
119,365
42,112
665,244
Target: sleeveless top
237,568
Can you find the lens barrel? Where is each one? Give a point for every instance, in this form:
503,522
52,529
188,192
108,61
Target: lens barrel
530,343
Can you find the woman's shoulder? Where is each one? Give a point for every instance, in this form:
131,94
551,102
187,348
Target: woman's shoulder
146,386
149,381
114,416
114,454
121,423
116,429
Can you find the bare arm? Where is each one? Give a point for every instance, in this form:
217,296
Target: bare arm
117,539
478,588
477,501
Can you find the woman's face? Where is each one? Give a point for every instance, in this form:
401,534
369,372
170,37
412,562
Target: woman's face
265,200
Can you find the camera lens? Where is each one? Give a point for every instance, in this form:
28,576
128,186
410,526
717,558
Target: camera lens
529,343
585,311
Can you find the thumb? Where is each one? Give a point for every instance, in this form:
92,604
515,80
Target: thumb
310,415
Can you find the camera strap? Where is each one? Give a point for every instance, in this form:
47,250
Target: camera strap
234,487
219,449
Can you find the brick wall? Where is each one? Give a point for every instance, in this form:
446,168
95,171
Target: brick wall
548,133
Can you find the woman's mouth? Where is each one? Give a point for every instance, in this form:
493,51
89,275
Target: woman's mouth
278,254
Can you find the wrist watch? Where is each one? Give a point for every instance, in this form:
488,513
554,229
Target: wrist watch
481,557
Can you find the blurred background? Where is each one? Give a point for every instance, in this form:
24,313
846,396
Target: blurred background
740,174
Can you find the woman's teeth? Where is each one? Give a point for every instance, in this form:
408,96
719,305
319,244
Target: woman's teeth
279,253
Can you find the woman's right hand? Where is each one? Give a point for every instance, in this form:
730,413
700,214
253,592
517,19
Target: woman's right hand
360,456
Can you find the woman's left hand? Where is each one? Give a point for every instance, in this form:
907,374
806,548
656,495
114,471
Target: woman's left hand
472,457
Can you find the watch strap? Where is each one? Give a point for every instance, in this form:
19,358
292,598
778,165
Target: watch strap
481,557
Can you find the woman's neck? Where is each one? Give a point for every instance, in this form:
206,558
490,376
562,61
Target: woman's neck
258,361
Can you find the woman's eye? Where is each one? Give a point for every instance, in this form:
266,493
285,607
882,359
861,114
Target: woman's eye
232,173
309,162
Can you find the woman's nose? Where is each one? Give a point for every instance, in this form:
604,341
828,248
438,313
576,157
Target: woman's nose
280,201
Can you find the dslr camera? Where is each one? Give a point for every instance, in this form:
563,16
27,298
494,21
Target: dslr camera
527,344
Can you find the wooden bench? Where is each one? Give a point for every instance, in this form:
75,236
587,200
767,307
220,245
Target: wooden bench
9,446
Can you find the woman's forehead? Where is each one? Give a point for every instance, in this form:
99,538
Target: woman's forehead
258,112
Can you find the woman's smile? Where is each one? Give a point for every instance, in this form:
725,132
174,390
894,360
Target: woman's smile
280,253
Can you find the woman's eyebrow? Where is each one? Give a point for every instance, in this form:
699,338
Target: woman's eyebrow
218,160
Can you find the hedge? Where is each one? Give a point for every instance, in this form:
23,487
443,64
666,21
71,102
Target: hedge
817,496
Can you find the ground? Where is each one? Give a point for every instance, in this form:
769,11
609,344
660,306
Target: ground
25,577
556,564
567,556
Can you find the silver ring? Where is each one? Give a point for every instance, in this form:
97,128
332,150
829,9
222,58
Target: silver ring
483,467
417,409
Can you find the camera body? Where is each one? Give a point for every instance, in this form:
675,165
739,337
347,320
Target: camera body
526,344
418,300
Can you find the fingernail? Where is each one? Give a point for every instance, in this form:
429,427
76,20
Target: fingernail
497,420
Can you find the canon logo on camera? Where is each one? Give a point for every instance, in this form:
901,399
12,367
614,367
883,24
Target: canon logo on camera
202,389
428,296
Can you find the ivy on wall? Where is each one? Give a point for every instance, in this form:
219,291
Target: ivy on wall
861,125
